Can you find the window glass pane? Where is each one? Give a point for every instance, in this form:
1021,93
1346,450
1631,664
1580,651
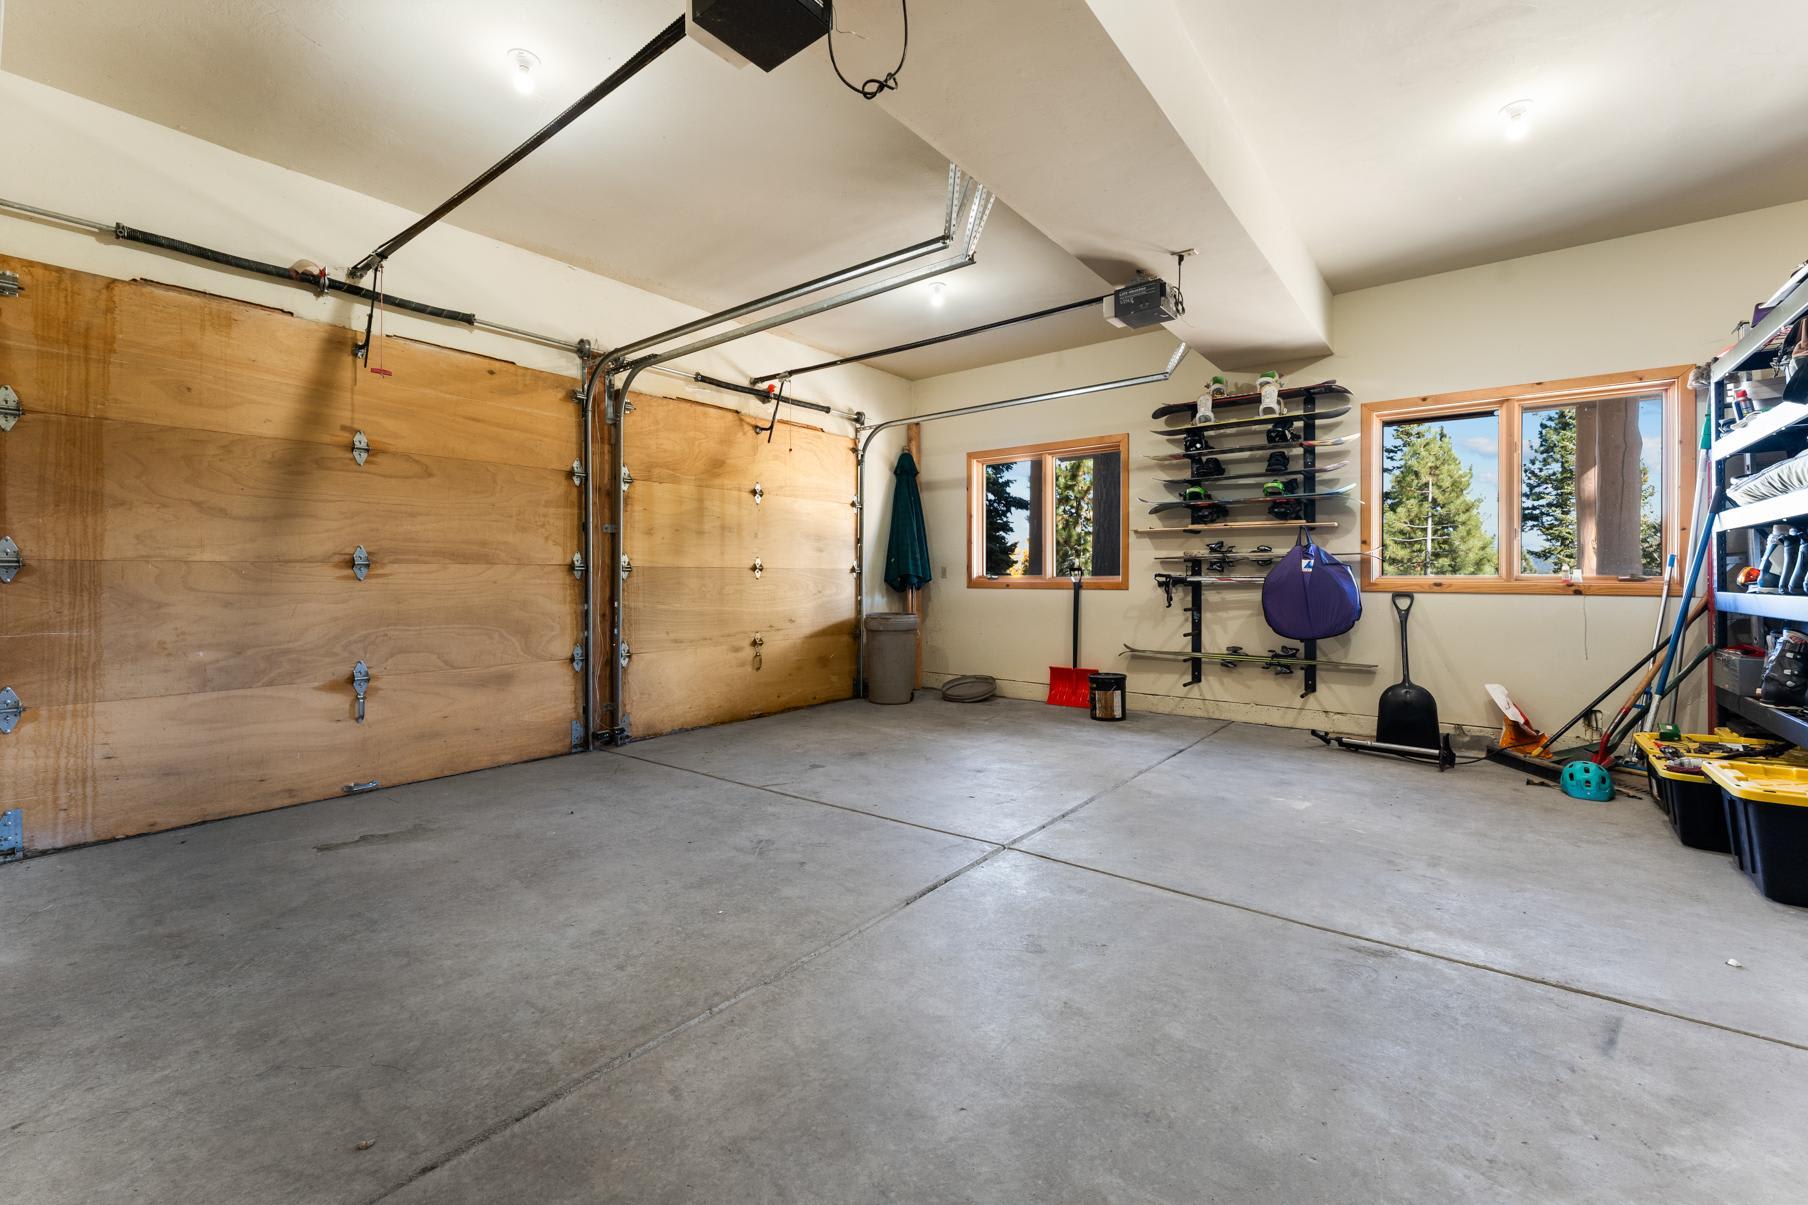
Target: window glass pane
1440,497
1592,488
1087,507
1012,519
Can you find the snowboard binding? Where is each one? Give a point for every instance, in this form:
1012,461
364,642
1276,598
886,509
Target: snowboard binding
1269,386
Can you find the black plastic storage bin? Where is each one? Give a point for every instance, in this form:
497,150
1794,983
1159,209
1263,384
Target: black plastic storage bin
1691,802
1771,825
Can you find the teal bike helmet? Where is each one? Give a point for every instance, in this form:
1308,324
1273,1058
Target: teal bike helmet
1583,779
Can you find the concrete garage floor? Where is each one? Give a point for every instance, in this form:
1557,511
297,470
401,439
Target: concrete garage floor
997,953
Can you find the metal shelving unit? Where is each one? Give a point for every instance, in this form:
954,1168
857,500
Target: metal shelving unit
1737,531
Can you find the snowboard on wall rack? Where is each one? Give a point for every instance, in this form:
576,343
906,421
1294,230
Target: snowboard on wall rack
1235,655
1268,449
1156,508
1239,525
1273,476
1280,422
1322,389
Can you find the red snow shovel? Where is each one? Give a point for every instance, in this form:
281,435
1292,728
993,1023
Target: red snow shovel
1069,685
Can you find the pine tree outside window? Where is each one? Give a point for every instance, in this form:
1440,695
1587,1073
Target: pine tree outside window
1560,487
1039,511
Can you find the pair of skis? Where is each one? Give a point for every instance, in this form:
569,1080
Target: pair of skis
1283,660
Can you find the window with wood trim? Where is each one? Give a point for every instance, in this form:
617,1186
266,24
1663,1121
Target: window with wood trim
1559,487
1036,513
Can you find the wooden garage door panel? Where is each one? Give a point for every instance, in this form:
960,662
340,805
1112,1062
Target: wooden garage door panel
454,403
699,525
671,441
47,335
76,631
87,489
714,682
674,608
101,770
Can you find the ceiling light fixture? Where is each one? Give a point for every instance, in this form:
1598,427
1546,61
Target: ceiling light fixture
526,63
1516,120
938,292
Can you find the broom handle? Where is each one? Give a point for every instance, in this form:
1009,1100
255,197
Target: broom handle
1075,663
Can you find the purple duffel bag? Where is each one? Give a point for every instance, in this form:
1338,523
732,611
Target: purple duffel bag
1311,595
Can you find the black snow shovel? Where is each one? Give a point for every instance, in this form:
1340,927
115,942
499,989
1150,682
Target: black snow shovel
1406,721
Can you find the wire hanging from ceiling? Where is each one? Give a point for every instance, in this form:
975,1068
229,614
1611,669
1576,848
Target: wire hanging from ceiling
873,88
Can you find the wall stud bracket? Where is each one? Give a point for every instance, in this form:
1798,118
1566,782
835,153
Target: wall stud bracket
577,658
11,559
10,409
360,447
360,563
578,474
12,835
10,285
577,565
360,683
758,567
11,708
759,493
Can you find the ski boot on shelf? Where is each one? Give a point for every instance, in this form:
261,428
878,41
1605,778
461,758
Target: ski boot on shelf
1771,562
1785,671
1269,386
1798,562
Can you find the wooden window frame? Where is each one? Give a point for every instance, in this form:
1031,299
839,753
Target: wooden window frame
1048,453
1509,405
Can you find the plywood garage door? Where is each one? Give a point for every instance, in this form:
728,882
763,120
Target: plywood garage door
694,530
184,494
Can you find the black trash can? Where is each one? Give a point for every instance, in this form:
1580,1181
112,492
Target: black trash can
1106,699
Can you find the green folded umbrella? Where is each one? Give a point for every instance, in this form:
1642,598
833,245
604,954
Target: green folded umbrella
907,555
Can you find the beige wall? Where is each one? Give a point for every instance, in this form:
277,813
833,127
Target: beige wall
1667,297
68,154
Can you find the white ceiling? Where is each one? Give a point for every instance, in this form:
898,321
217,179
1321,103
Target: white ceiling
697,181
1283,139
1378,123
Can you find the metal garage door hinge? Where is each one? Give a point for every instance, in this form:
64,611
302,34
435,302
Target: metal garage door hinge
627,478
627,566
12,835
577,658
11,708
360,683
10,285
577,564
758,567
11,559
759,650
578,474
360,447
10,409
625,654
577,736
759,493
360,563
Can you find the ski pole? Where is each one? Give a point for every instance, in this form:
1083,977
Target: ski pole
1704,539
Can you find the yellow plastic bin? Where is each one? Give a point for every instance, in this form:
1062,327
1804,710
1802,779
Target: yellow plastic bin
1772,805
1694,805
